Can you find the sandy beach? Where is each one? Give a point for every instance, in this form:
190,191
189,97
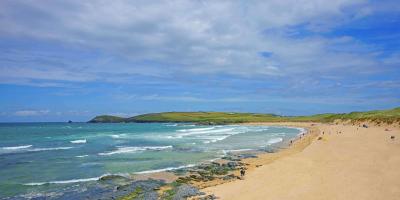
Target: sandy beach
331,162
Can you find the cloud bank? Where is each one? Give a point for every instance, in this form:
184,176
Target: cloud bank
275,48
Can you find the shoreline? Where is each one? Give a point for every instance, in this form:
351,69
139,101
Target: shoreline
300,142
167,172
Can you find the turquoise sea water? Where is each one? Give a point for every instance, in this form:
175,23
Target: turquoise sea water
38,157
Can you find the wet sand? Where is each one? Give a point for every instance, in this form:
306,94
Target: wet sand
346,162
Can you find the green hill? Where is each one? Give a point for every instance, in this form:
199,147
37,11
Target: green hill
378,116
205,117
107,119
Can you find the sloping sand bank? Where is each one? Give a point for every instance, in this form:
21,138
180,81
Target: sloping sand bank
347,162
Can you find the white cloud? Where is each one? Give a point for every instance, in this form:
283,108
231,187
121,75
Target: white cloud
188,37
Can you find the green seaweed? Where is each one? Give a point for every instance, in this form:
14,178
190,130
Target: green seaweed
132,195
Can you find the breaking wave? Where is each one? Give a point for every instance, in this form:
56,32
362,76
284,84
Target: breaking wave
121,150
16,147
78,141
275,140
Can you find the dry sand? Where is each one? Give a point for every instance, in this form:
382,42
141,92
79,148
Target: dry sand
348,162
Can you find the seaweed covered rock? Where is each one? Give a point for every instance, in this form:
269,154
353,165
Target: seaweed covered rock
143,189
185,191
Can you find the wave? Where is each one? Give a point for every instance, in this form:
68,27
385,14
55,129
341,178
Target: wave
16,147
49,149
78,141
274,140
225,152
188,125
209,131
164,169
67,181
302,130
115,136
212,139
121,150
27,148
171,124
210,134
82,156
257,129
196,129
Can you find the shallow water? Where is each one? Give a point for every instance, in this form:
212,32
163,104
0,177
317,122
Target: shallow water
40,157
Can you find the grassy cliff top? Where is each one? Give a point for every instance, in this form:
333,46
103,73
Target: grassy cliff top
107,119
386,116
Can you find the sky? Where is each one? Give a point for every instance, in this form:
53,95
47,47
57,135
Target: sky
73,60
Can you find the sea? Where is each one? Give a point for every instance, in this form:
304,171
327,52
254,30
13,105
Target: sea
40,158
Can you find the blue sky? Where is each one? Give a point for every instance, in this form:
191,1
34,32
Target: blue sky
72,60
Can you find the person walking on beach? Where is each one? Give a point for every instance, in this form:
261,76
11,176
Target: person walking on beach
242,172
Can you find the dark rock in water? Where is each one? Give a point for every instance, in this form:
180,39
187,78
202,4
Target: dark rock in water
111,177
145,189
69,121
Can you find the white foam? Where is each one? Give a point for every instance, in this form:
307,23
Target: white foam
78,141
27,148
165,169
67,181
171,125
238,150
275,140
121,150
82,156
210,134
196,129
213,133
115,136
209,131
302,130
49,149
17,147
